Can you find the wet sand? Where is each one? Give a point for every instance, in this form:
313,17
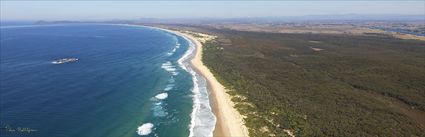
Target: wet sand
229,121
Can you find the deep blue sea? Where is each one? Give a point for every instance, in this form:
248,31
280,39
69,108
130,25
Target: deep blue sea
126,83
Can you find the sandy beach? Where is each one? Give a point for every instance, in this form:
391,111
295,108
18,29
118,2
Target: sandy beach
229,121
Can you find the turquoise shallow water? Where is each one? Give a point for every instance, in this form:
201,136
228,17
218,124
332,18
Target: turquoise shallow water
109,92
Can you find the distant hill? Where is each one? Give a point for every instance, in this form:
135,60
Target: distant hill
277,19
334,17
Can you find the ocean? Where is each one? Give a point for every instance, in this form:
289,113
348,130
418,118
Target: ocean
129,81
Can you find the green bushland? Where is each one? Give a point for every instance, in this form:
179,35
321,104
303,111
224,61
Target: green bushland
279,82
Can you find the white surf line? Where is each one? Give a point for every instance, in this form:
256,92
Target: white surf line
169,67
203,119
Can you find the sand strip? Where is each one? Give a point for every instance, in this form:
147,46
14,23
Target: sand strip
229,121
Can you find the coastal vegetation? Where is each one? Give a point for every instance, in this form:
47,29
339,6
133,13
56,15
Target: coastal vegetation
322,84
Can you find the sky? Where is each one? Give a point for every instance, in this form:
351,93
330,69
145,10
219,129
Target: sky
110,10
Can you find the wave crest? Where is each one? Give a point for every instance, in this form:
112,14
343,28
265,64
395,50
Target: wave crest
145,129
161,96
202,118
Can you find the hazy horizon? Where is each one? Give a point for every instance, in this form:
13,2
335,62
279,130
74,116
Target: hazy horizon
132,10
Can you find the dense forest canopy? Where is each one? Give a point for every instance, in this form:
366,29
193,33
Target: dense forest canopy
322,84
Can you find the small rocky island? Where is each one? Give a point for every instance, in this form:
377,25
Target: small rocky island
64,60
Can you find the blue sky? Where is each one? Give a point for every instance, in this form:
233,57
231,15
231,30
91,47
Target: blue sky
106,10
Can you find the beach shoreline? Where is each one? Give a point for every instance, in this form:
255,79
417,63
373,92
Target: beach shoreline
229,121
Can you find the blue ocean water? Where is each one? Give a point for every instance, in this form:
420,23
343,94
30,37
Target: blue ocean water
126,83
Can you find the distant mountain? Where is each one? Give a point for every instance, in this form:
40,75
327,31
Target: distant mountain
278,19
335,17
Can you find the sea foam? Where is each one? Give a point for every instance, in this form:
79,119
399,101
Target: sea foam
169,87
202,118
159,110
161,96
167,66
145,129
174,49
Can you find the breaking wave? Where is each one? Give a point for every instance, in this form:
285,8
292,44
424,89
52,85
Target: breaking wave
202,118
161,96
174,49
169,67
145,129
